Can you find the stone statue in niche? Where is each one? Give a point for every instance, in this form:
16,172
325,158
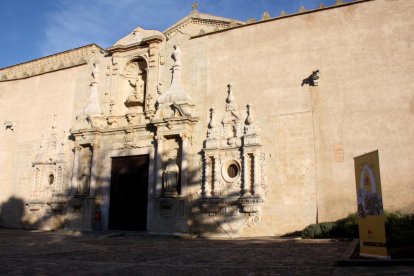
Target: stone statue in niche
84,177
136,95
170,178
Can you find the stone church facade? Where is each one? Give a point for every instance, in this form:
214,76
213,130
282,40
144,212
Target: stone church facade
215,126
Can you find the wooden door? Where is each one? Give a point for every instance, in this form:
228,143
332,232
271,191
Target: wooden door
129,193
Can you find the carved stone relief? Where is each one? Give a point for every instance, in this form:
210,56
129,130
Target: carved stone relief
48,174
233,167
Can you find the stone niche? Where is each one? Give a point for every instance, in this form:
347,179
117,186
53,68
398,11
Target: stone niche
135,75
233,172
171,195
81,206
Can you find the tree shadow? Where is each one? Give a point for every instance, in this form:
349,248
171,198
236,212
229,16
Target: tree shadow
54,207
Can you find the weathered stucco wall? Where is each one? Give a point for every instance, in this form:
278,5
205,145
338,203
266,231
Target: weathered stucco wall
31,104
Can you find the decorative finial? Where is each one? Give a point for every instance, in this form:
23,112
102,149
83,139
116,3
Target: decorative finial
266,16
211,131
212,123
302,9
229,96
194,6
249,119
339,2
321,6
176,56
249,128
230,103
282,13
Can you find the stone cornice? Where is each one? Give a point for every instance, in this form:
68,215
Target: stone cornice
55,62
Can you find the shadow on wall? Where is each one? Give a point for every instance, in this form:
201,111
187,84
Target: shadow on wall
17,213
63,210
11,212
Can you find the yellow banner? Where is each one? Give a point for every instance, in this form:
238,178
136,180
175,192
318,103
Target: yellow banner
373,242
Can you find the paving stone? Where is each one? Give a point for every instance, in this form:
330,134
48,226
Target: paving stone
45,253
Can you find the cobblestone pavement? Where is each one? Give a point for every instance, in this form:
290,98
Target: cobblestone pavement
44,253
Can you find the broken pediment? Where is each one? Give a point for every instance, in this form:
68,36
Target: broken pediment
139,35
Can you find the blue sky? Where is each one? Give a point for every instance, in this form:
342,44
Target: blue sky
32,29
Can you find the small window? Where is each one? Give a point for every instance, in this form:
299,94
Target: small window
232,170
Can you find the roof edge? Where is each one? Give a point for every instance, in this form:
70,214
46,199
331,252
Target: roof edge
55,62
335,6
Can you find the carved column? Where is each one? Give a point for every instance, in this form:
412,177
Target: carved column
206,185
92,188
158,165
254,172
215,183
151,90
74,185
184,164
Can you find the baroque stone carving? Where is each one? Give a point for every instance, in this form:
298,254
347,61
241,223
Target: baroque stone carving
135,73
92,107
176,93
233,167
48,174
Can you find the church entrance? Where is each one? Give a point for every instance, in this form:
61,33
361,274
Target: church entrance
129,193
